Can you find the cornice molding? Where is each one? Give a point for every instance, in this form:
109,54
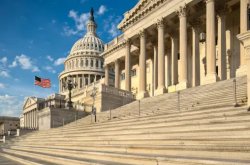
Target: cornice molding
143,8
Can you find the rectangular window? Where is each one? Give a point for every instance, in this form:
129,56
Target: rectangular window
123,76
133,72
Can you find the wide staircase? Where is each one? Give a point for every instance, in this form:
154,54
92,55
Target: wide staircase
204,125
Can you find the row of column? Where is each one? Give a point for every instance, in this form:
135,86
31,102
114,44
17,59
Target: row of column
31,119
74,64
159,61
81,80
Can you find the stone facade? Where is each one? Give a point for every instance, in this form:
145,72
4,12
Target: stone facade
33,106
170,45
8,124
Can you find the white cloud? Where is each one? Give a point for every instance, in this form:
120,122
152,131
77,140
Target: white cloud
59,61
2,86
25,63
102,9
113,30
110,25
50,69
68,31
4,73
3,60
80,23
80,20
50,58
10,105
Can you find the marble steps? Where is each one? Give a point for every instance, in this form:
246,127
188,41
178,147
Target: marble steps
52,159
22,160
126,148
135,115
153,142
140,155
76,157
187,116
203,117
159,128
146,120
236,132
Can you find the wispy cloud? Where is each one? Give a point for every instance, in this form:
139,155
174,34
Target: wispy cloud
4,73
50,58
50,69
2,86
110,25
3,60
59,61
102,9
10,105
80,23
25,63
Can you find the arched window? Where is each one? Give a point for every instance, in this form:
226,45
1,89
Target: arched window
86,62
81,62
91,63
96,63
76,63
73,64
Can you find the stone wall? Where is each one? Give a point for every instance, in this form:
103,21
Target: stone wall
55,117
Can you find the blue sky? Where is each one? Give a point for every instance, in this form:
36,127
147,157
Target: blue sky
36,36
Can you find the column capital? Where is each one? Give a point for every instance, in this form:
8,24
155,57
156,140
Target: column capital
128,41
141,33
160,23
182,11
208,1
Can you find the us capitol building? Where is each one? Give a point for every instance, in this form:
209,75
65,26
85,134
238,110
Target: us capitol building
166,46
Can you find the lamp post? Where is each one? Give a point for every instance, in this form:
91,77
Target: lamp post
70,85
93,95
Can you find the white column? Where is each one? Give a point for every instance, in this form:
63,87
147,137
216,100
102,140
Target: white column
168,68
211,76
174,69
243,28
83,80
128,66
222,71
107,75
161,88
117,73
89,81
142,65
183,84
196,54
155,69
25,120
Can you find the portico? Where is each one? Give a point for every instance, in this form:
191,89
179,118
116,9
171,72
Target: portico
162,43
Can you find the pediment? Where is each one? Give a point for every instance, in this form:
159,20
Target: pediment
29,101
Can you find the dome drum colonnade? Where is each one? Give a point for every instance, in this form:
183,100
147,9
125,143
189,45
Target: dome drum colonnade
84,62
182,76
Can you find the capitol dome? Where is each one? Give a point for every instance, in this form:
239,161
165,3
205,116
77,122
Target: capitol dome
89,43
84,62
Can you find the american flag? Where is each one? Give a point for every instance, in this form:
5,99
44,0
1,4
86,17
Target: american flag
45,83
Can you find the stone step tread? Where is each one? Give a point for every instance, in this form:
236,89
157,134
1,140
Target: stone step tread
15,159
171,116
113,158
212,121
148,155
221,128
55,159
214,147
